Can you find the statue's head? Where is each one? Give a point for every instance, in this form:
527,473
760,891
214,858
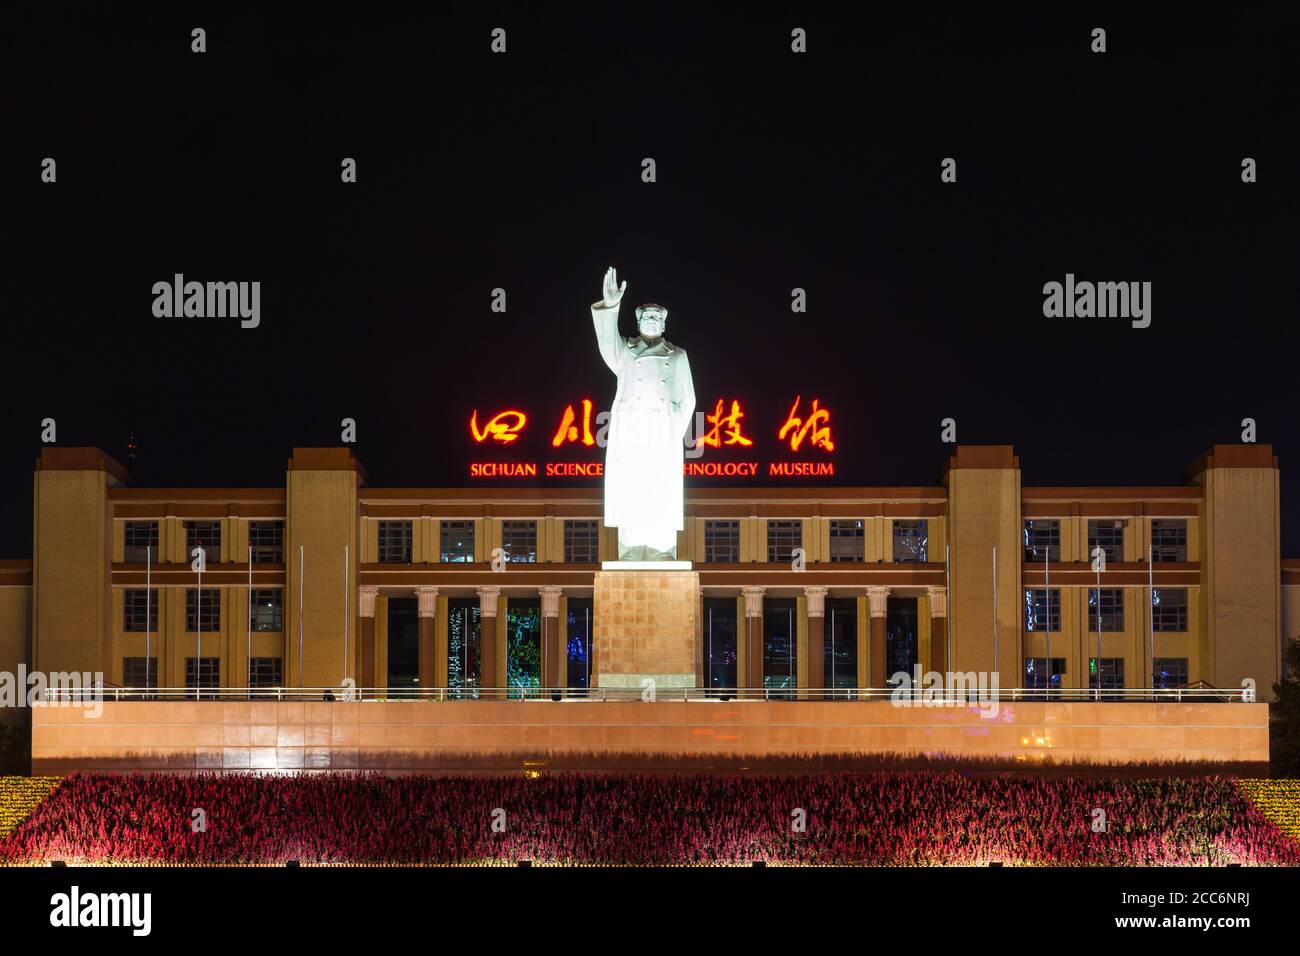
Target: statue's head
650,320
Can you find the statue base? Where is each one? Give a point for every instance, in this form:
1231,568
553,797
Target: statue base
645,622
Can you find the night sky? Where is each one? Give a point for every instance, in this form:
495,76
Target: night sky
523,171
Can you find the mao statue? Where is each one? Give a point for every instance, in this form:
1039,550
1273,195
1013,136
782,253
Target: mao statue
652,409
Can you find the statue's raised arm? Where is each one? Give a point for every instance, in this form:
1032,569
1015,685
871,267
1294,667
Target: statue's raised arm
605,316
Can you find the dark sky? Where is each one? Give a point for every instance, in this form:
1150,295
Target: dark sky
523,171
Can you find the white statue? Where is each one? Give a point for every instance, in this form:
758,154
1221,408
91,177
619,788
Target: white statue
652,409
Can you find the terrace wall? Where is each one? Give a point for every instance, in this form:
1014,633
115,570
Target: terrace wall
466,735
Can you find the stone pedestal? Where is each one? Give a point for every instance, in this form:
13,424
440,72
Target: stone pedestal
644,624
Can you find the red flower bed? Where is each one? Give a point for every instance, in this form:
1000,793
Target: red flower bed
852,818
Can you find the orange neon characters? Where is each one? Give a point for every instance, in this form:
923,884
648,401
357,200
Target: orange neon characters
568,431
504,427
817,424
729,422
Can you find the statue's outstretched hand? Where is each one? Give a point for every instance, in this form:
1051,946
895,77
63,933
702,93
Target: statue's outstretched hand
612,292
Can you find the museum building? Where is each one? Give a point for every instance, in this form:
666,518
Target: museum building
486,590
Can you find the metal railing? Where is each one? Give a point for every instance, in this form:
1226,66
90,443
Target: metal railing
910,697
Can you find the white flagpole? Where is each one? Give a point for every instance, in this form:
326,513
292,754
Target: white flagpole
947,580
1047,604
249,655
1100,558
345,612
1151,612
198,624
148,606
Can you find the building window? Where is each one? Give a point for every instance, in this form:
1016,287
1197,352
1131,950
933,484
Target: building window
1110,673
394,542
136,602
268,609
519,541
266,538
456,542
140,672
265,672
910,542
1040,615
847,541
1112,609
203,672
205,535
1036,676
581,542
202,607
1108,534
1169,672
722,542
1169,609
141,542
1042,540
782,538
1169,540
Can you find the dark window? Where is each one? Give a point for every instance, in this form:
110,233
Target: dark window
403,643
456,542
1169,672
1040,615
519,541
463,643
780,660
266,672
204,672
722,542
581,542
720,629
1108,534
202,608
847,540
1168,540
1042,540
205,535
782,538
268,609
394,542
578,642
1110,673
911,542
135,603
266,539
140,672
141,542
840,643
902,643
1036,676
1112,609
1169,609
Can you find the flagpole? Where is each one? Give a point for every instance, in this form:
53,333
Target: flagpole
198,625
345,612
1151,612
249,655
1047,604
1101,556
995,609
952,605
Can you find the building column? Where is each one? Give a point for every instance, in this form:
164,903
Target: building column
816,637
428,610
938,629
878,601
754,635
555,671
487,635
367,602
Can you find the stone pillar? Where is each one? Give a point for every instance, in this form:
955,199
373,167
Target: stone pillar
367,602
428,601
877,599
487,636
754,635
555,670
816,637
938,629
